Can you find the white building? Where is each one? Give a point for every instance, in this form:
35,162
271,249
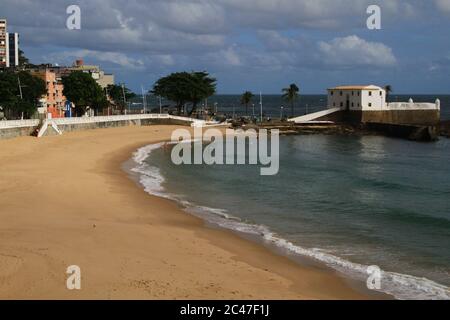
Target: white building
357,98
367,104
102,78
9,46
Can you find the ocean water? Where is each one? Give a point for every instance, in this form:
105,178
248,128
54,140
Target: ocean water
349,202
306,104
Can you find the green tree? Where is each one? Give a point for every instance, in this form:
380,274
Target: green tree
291,94
32,87
81,89
173,87
201,87
20,100
23,61
8,91
183,87
388,89
246,98
116,93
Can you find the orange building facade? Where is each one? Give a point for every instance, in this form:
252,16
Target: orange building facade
54,101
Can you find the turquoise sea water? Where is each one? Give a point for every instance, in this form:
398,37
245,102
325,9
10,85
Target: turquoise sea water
349,202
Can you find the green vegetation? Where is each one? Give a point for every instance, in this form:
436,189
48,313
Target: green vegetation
23,61
184,87
388,89
81,89
18,101
117,92
246,98
291,94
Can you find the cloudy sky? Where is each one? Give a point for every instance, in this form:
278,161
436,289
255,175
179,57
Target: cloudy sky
247,44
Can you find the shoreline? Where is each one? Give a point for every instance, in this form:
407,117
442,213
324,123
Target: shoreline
395,285
130,167
129,244
298,259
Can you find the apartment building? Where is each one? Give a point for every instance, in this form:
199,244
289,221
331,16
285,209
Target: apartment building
3,42
54,101
9,46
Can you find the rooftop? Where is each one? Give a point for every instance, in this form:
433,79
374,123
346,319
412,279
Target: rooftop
357,87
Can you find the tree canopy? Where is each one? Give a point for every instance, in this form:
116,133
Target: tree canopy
116,93
388,89
246,98
290,94
13,103
184,87
81,89
23,60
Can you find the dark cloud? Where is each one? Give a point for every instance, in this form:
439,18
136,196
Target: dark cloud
156,36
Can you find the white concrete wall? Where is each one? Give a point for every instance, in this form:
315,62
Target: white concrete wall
313,116
412,106
339,99
373,100
7,124
370,100
80,120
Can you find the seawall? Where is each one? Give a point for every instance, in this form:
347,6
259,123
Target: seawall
422,125
17,128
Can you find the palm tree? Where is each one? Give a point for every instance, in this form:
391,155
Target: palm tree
388,89
290,95
246,98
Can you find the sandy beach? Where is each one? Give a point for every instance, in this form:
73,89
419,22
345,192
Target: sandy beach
65,200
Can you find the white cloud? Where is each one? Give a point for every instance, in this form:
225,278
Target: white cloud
231,57
120,59
324,14
443,5
254,36
353,51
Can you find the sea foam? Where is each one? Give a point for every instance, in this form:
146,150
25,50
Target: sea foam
401,286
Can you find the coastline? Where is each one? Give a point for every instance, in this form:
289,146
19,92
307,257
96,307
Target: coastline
65,200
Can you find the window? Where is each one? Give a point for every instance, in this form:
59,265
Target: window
331,92
340,93
381,93
358,93
342,104
370,93
353,93
370,104
334,104
353,104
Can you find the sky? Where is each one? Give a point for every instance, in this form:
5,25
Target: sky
256,45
